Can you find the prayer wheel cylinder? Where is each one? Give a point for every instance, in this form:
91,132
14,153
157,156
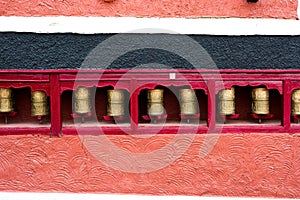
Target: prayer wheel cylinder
6,102
188,102
260,101
115,105
39,105
155,102
82,103
227,104
296,102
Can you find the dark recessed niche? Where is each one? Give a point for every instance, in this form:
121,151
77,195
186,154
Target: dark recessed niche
101,106
172,106
243,108
66,107
98,108
21,115
202,102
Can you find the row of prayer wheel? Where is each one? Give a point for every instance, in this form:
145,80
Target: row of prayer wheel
115,105
188,102
39,106
155,107
260,101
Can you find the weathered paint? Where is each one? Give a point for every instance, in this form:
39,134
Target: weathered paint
167,8
239,165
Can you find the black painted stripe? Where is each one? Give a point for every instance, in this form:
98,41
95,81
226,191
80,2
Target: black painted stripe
67,51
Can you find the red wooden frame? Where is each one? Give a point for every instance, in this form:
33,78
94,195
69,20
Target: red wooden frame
54,82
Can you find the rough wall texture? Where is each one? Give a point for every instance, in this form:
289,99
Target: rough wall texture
246,165
165,8
67,51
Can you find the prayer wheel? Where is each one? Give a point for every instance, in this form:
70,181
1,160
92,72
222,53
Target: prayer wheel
296,102
227,104
188,102
6,102
115,105
260,101
82,103
39,105
155,102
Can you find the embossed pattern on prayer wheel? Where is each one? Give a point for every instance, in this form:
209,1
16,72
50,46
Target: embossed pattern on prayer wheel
115,105
227,104
260,101
39,105
82,100
155,102
6,102
188,102
296,102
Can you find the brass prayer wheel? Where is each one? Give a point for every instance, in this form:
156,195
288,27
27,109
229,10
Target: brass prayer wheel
115,105
260,103
6,102
155,102
227,104
188,102
39,105
296,102
82,103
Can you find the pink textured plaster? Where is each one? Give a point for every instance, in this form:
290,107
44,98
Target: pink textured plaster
240,165
149,8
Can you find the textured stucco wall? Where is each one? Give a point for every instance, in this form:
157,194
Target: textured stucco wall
148,8
67,51
239,165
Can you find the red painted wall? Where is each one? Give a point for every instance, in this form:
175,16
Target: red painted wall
149,8
240,165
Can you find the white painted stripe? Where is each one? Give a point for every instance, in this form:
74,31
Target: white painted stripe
91,25
72,196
